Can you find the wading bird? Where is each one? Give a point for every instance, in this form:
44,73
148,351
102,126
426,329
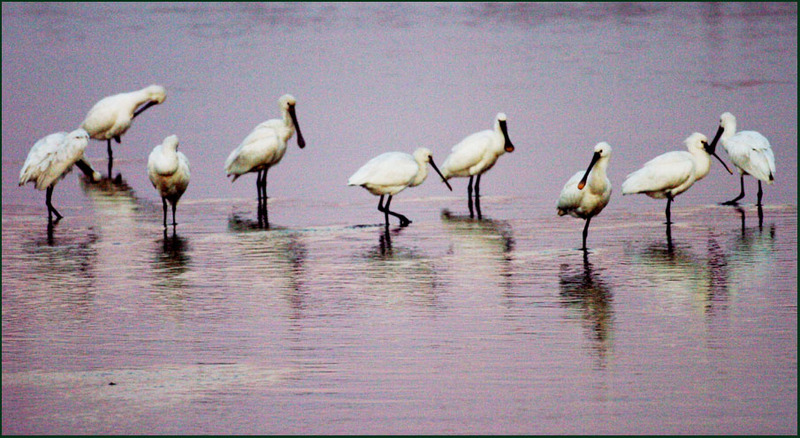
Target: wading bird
264,147
168,170
49,161
587,193
391,172
672,173
112,116
476,154
749,151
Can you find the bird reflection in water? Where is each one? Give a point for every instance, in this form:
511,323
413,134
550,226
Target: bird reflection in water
171,261
485,247
586,292
742,215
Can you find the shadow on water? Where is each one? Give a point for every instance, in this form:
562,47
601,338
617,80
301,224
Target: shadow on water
585,291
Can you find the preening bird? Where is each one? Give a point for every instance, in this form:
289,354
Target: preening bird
390,173
749,151
672,173
587,193
112,116
264,147
168,170
49,161
476,154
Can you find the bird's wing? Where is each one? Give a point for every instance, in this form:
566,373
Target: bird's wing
663,172
387,169
68,151
252,150
751,152
102,116
467,153
570,195
39,157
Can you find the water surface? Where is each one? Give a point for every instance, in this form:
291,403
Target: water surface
325,323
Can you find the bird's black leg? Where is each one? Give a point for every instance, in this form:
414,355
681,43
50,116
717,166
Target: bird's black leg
585,232
164,204
735,200
264,196
258,188
110,159
404,221
669,201
50,208
384,210
760,192
174,223
478,196
469,197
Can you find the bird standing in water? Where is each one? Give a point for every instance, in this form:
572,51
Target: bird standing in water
390,173
587,193
749,151
112,116
264,147
50,160
168,170
476,154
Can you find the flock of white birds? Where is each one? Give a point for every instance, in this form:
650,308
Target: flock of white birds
584,195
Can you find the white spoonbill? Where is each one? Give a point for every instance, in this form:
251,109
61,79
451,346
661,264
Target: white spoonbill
587,193
749,151
50,159
264,147
476,154
391,172
168,170
672,173
112,116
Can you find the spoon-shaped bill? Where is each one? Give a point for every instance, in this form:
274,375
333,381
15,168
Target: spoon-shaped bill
300,140
430,160
509,147
710,149
582,183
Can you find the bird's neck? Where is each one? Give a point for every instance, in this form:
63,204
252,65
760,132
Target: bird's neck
702,163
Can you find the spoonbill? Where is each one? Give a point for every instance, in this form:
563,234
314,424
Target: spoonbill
587,193
476,154
749,151
672,173
168,170
264,147
49,161
390,173
112,116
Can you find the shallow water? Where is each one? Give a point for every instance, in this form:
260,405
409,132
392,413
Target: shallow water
324,322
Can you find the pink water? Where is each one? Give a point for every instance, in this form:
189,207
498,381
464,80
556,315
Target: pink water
323,324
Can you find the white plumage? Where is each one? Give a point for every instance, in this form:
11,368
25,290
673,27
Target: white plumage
587,193
265,146
49,161
749,151
672,173
476,154
168,170
390,173
111,117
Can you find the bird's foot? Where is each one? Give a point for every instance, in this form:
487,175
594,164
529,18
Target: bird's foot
404,222
731,202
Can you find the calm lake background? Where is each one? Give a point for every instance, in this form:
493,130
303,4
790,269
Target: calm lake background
324,323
